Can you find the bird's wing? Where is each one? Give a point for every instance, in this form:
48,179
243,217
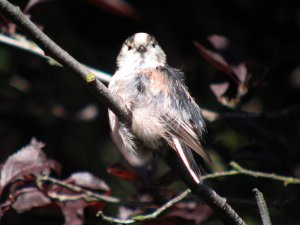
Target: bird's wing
168,95
183,118
187,135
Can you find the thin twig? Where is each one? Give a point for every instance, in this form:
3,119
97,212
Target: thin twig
262,206
286,180
115,220
86,194
21,42
163,208
237,170
61,56
149,216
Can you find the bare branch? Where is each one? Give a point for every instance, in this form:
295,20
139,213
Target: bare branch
85,194
163,208
262,206
21,42
61,56
286,180
149,216
238,170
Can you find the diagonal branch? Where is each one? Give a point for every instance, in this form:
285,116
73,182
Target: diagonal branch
61,56
237,170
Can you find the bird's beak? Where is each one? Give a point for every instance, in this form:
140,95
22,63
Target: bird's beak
141,49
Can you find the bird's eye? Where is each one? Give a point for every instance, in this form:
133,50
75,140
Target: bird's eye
129,47
153,45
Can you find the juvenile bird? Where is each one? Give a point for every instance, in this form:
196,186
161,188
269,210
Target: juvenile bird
164,116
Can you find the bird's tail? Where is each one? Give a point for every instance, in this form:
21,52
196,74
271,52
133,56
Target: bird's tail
183,163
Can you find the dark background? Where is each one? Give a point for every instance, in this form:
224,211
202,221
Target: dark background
49,103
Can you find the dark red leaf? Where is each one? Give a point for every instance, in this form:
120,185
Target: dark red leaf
29,198
28,161
219,89
96,207
224,58
241,72
32,3
191,211
219,42
73,201
87,180
119,171
77,195
73,204
214,58
118,7
73,216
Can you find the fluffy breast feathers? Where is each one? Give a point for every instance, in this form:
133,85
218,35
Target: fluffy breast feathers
162,109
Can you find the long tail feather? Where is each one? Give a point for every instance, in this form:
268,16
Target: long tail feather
186,157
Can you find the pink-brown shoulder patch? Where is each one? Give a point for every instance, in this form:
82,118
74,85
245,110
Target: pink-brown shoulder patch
158,80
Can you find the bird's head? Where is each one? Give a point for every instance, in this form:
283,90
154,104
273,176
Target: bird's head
141,50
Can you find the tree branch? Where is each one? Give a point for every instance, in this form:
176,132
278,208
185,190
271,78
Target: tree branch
21,42
219,204
286,180
86,194
237,170
61,56
262,206
149,216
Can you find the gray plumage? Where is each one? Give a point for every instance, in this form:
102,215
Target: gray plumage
164,115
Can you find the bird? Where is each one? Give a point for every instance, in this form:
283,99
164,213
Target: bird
163,114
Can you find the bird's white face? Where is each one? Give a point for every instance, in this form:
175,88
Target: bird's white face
141,51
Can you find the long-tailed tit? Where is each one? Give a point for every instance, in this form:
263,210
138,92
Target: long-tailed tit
164,115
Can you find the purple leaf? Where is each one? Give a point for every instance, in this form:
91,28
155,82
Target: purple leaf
28,161
214,58
29,198
119,171
219,42
220,56
191,211
219,89
73,216
241,72
118,7
32,3
87,180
